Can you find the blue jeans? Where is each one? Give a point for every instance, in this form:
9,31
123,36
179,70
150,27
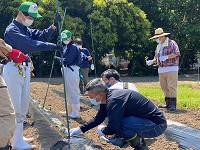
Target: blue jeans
145,128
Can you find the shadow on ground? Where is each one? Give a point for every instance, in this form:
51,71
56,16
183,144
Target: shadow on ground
52,136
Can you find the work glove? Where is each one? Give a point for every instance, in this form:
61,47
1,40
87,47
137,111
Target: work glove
75,131
57,18
163,58
17,55
99,129
149,62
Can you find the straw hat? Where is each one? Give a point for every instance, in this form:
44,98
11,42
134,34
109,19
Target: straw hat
158,33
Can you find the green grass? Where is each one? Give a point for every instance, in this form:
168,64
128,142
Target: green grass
188,94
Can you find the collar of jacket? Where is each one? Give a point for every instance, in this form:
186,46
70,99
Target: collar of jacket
70,44
19,25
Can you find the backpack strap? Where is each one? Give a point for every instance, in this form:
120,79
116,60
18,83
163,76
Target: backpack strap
125,85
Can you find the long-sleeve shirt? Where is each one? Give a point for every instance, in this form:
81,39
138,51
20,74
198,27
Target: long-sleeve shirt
123,103
70,54
28,40
85,63
167,48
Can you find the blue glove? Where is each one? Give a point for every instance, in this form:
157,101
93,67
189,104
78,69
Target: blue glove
57,18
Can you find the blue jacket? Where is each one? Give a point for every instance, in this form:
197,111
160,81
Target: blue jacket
85,62
122,103
28,40
70,54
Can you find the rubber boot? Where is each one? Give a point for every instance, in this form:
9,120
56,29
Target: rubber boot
172,104
167,105
75,111
18,142
137,143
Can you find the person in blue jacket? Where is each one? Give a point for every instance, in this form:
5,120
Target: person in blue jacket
17,76
131,115
71,73
85,65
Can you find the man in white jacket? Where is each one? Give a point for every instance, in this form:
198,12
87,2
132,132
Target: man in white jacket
112,80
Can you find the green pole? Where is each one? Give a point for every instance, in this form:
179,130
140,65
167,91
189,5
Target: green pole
91,33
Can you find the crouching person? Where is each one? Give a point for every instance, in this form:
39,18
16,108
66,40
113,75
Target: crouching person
130,115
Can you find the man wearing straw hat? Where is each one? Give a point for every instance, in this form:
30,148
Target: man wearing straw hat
167,58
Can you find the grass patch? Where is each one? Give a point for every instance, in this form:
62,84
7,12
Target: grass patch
188,94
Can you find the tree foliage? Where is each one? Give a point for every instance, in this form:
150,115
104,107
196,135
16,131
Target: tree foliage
179,17
119,26
122,26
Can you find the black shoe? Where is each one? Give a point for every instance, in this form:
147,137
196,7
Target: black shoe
137,143
117,140
142,146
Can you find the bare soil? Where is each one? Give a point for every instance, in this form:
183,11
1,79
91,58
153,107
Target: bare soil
55,101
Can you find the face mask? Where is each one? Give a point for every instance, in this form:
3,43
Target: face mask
66,42
158,41
94,102
108,85
27,22
79,47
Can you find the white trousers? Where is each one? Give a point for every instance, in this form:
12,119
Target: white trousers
18,87
72,84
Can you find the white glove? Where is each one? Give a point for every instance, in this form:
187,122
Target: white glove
104,138
99,130
163,58
75,131
149,62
